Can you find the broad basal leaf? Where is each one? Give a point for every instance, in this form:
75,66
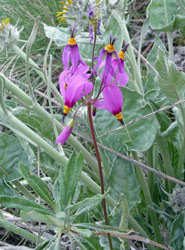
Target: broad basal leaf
11,154
165,15
122,179
170,80
138,136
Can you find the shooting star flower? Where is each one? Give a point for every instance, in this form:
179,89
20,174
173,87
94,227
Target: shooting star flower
73,86
64,135
112,101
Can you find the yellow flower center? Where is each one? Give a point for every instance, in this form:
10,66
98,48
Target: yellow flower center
121,54
72,41
66,109
109,48
65,86
119,116
3,23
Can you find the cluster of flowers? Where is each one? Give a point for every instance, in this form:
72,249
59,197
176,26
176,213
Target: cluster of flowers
75,82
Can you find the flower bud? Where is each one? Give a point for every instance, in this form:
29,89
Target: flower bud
62,138
9,34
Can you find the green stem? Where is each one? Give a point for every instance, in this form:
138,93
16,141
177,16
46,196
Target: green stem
137,84
166,158
28,50
17,230
149,161
19,186
146,192
20,53
180,166
48,118
170,45
13,121
93,186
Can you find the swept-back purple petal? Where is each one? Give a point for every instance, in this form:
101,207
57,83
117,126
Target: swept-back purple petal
121,77
102,53
107,67
119,62
99,104
64,135
113,99
66,56
77,88
75,56
63,79
82,69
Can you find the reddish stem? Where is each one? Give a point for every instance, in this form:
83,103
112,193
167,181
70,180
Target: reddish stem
100,171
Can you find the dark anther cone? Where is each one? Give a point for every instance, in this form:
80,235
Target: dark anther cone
63,118
122,122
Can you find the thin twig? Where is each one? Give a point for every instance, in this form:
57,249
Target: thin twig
137,163
132,237
143,117
146,61
181,5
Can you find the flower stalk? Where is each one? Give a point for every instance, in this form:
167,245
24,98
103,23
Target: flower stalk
100,172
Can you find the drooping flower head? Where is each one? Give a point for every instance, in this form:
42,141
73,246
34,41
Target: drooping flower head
94,19
115,76
64,135
109,51
73,86
71,52
112,101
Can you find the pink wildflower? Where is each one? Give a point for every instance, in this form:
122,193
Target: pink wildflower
74,86
112,101
62,138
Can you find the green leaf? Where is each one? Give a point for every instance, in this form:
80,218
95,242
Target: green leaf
22,204
11,154
117,218
138,136
122,179
170,80
37,184
17,230
85,205
152,58
114,27
165,14
35,216
49,165
141,133
59,35
5,189
34,121
83,232
44,244
177,233
72,175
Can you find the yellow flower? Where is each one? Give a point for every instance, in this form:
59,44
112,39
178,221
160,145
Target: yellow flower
65,8
3,23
